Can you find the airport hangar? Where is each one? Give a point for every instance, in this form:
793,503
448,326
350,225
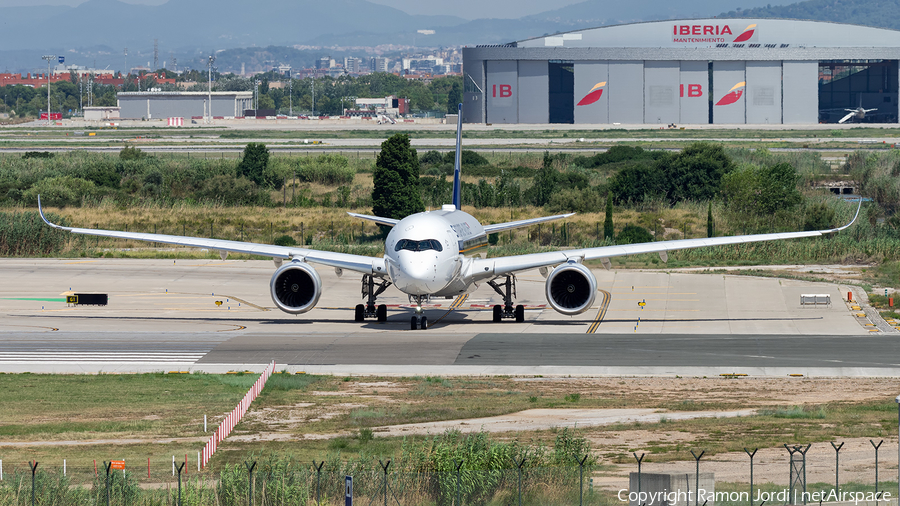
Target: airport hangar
697,71
154,104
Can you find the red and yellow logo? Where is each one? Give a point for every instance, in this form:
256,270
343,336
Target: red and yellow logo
733,95
746,34
593,95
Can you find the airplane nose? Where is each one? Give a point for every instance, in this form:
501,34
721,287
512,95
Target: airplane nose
416,274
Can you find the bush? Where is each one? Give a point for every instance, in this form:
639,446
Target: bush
131,153
634,234
468,158
25,234
37,154
230,190
616,154
328,169
432,158
60,191
285,240
819,217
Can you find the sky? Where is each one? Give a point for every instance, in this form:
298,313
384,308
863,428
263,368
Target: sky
467,9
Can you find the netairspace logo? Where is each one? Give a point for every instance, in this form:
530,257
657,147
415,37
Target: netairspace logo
677,497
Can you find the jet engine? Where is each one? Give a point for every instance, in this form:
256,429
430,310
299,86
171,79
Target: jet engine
296,287
571,288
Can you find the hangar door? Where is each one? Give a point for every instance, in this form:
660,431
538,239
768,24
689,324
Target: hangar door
729,86
661,90
763,92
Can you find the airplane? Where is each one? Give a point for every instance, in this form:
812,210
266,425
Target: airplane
858,114
429,254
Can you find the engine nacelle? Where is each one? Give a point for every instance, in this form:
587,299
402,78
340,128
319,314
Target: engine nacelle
296,287
571,288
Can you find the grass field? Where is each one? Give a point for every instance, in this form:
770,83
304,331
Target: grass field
86,417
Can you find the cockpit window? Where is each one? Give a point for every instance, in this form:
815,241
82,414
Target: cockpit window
424,245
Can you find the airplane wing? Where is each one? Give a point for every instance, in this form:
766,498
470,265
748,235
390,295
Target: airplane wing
491,267
377,219
355,263
845,118
500,227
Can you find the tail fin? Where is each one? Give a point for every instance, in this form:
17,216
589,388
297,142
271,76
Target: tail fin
457,165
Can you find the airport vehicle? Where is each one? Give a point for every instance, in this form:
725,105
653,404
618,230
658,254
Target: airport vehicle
428,255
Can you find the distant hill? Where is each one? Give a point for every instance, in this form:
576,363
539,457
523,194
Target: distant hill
877,13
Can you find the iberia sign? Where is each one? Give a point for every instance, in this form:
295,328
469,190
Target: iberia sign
694,34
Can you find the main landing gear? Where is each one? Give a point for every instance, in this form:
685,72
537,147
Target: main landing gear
507,289
370,293
419,320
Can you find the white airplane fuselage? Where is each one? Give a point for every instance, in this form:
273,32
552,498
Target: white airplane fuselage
425,252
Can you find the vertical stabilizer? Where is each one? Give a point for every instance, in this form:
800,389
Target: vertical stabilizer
457,164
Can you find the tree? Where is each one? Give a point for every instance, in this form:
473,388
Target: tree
454,98
710,228
396,180
608,228
544,183
254,163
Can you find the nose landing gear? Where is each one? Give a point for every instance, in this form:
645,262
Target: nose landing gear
507,289
370,293
419,320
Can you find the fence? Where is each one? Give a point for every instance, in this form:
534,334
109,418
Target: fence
233,418
791,474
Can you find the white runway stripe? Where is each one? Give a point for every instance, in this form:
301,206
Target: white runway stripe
100,357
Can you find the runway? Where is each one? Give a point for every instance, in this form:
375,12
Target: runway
162,317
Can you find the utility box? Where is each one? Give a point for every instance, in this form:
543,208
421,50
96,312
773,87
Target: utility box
671,489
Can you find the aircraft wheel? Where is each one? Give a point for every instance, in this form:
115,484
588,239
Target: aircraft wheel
381,313
360,313
498,313
413,324
424,324
520,313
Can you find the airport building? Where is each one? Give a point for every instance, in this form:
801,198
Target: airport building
697,71
186,104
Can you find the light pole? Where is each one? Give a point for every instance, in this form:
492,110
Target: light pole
343,109
49,58
212,59
291,88
313,85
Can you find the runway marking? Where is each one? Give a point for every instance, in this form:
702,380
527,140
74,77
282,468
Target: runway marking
604,305
682,300
236,327
99,357
52,329
456,303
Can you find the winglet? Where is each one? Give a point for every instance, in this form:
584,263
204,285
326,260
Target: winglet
854,217
457,166
41,211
